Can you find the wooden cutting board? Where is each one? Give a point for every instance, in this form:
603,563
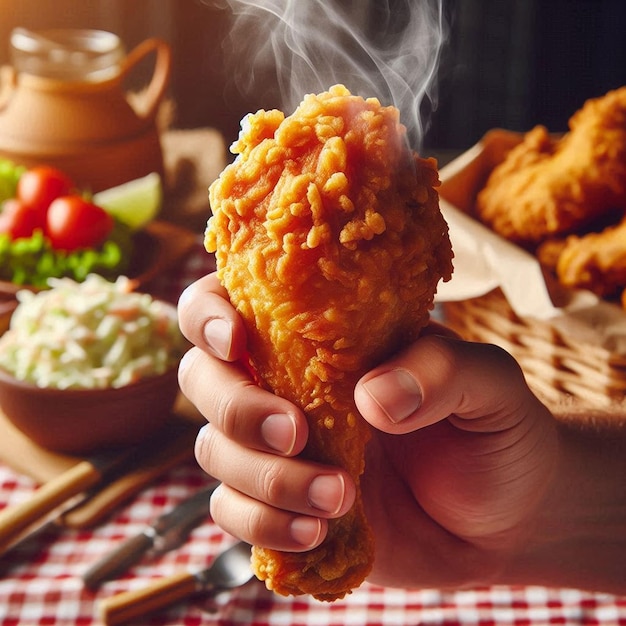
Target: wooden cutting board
28,458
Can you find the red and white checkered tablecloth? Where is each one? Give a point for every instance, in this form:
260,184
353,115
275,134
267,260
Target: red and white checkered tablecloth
40,581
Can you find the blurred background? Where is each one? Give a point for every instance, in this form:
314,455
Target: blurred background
510,64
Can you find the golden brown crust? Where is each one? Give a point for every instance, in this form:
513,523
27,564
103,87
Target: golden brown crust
329,240
596,261
548,186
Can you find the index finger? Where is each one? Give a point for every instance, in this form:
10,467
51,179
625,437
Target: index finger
207,318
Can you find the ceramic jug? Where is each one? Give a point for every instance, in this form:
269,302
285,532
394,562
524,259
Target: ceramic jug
64,102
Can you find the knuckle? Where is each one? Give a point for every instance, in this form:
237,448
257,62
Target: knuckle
231,412
501,361
272,483
254,523
443,353
225,415
454,355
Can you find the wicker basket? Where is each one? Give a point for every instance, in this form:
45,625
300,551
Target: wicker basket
556,365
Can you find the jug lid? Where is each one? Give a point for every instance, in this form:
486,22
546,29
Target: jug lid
66,54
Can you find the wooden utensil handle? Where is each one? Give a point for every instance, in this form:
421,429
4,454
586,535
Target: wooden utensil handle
130,604
14,519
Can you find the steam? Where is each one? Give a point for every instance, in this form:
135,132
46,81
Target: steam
384,48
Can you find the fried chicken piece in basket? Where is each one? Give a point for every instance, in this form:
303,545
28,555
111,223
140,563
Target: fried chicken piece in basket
595,261
547,186
330,243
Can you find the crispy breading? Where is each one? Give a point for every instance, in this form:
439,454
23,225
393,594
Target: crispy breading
547,186
595,261
330,243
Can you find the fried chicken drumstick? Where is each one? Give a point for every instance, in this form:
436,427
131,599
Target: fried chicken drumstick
330,243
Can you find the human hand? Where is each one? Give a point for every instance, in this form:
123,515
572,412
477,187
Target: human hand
460,457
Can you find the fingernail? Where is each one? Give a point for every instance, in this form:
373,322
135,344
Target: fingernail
396,393
327,493
279,432
218,335
306,530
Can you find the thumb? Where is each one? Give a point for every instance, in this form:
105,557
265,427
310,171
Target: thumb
438,377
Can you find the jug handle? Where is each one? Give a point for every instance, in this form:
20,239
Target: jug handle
8,83
160,78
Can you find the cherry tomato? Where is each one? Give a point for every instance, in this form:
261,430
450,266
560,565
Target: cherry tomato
73,223
39,186
18,219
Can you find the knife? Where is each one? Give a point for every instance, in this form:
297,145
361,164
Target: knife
169,531
229,570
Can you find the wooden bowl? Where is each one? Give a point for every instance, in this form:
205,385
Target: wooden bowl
84,420
81,420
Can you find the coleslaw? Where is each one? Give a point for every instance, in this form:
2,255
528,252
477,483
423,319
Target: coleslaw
93,334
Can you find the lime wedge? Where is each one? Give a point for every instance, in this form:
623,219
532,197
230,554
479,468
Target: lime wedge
134,203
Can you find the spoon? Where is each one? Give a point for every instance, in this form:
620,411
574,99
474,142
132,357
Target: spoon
229,570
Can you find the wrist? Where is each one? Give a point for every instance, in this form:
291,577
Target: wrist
577,537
